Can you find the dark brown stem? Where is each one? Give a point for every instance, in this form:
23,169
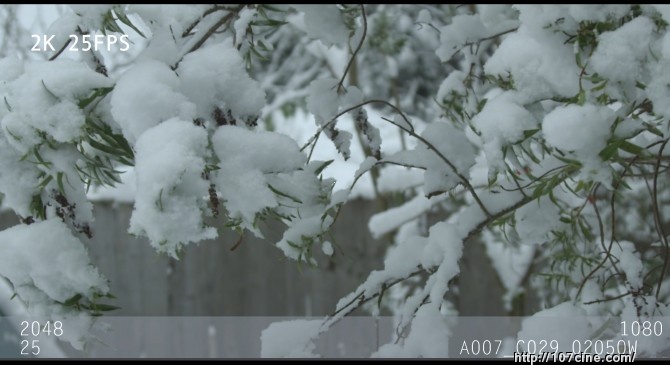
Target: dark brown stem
224,20
340,84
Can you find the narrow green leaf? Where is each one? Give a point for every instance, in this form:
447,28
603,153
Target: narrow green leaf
102,147
610,150
159,202
284,194
581,97
42,185
59,181
585,230
269,22
124,19
651,128
73,300
105,307
49,91
322,167
631,148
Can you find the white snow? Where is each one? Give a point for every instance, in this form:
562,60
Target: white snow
293,236
657,90
584,130
323,99
325,23
47,257
511,264
290,338
245,157
46,264
146,95
245,17
453,84
463,29
167,15
540,64
453,145
120,193
327,248
17,180
169,162
536,220
91,15
428,338
44,98
629,262
215,76
564,323
396,178
620,53
501,123
390,219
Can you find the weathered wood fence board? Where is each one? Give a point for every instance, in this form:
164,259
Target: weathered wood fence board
255,279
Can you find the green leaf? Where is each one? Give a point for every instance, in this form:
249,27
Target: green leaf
651,128
37,207
599,87
49,91
112,176
102,147
124,19
631,148
296,200
481,104
40,160
42,185
565,220
322,167
73,300
581,97
294,245
159,202
569,161
59,181
539,189
16,137
104,307
99,92
585,230
527,134
610,150
9,107
269,22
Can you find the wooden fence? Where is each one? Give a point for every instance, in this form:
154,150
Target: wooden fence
255,279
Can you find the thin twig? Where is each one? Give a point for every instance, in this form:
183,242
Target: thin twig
61,50
430,146
478,42
657,218
609,299
225,19
340,84
188,29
